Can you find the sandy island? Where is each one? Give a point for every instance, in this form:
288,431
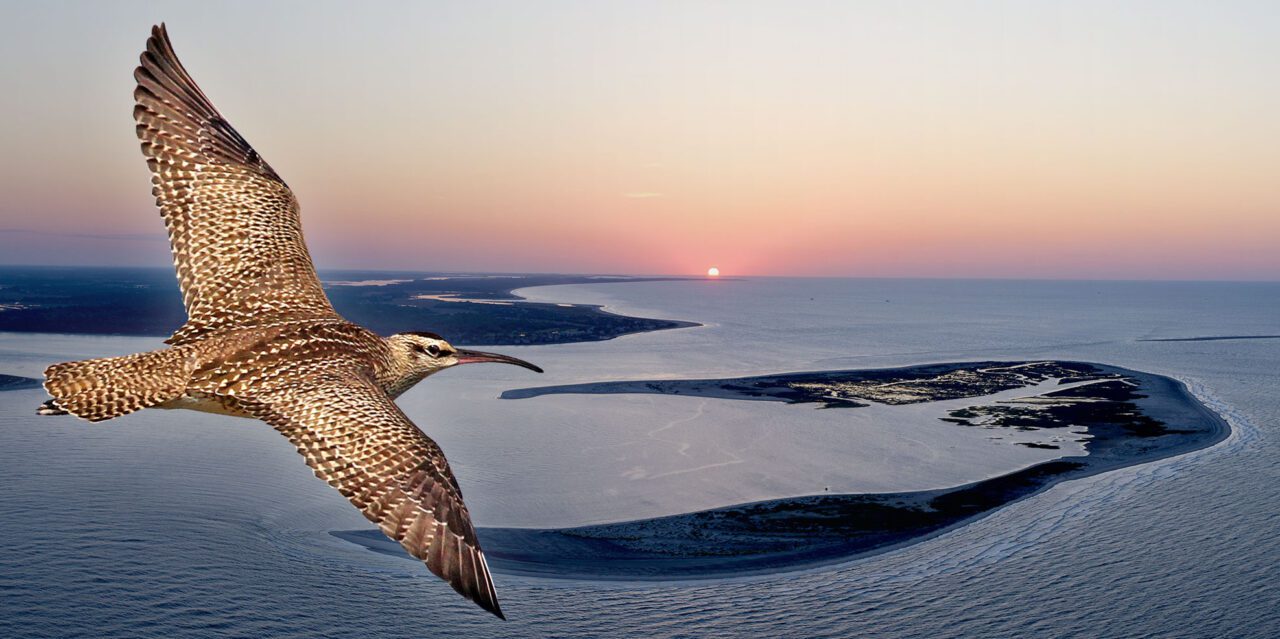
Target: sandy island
1130,418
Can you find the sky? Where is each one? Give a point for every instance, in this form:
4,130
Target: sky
1111,140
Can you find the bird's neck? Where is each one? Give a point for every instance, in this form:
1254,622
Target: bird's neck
396,386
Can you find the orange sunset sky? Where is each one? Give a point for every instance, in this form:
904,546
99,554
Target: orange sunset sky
1123,140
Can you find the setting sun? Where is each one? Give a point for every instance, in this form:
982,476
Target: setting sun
713,272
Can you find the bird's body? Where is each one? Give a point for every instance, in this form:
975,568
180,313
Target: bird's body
262,340
228,363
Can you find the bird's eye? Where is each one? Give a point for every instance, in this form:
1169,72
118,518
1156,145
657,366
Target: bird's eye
433,350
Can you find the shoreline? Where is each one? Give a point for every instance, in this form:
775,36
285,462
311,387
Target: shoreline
1209,338
797,533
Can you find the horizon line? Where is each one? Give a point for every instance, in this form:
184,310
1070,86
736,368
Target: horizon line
693,276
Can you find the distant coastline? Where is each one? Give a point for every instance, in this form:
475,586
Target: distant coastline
1209,338
13,382
1132,418
465,308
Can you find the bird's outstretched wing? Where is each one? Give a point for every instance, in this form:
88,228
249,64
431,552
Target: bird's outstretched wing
234,225
356,439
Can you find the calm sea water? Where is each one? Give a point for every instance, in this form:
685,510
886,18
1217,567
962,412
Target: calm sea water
173,524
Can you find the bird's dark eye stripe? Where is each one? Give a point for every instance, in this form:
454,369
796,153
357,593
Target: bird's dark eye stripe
419,348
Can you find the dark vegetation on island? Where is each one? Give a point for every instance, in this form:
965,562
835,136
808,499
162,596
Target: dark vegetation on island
848,388
1130,418
146,302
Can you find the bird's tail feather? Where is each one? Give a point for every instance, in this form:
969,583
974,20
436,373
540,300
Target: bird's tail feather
98,389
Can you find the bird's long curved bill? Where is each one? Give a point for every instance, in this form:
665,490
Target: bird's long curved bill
477,357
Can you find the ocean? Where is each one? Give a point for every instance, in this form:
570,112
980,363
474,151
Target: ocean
175,524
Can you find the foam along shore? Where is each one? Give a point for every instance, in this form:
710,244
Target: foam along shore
1130,418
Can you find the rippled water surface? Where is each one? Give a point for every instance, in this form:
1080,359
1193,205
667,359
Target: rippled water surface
180,524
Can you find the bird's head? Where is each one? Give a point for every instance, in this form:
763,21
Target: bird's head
421,354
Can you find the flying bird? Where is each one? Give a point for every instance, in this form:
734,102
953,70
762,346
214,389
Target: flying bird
262,341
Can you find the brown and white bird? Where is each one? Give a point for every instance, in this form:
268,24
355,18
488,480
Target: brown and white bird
262,340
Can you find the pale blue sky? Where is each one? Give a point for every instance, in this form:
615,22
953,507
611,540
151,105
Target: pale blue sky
1081,139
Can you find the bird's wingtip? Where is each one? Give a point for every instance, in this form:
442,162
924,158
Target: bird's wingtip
159,35
50,407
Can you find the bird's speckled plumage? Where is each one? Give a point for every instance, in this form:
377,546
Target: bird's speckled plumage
263,341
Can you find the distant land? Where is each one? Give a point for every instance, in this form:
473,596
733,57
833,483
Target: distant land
13,382
465,308
1209,338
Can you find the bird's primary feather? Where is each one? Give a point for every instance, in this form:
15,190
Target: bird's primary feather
234,225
